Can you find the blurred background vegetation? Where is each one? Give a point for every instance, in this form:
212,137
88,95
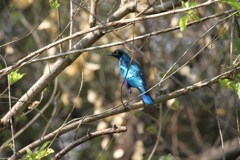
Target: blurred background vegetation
187,125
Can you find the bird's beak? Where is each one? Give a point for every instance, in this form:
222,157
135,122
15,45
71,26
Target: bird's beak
111,54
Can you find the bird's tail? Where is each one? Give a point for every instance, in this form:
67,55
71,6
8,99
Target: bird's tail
147,99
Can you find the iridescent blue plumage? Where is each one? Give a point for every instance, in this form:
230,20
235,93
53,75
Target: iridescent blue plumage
132,74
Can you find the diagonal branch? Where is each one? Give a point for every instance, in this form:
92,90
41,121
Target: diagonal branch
88,137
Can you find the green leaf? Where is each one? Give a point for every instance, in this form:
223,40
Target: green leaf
184,4
189,14
10,145
233,3
188,4
30,154
54,4
195,17
183,22
151,129
192,4
230,84
227,83
15,76
44,153
44,145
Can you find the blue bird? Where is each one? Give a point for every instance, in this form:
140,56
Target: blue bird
134,77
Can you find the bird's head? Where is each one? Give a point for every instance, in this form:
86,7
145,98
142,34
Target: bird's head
117,53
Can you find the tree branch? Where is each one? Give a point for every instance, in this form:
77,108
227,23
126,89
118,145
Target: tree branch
88,137
93,13
231,148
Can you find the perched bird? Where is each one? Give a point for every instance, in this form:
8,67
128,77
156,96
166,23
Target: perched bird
132,75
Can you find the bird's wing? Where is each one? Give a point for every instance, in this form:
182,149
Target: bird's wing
134,74
135,77
137,82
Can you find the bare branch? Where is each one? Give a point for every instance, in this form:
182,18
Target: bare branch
93,13
230,148
89,136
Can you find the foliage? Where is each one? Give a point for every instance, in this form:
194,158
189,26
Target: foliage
233,3
39,154
232,84
15,76
54,4
189,14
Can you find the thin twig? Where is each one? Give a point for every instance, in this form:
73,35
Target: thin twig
218,123
71,22
158,134
11,117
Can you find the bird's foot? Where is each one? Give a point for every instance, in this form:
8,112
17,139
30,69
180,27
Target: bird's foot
126,106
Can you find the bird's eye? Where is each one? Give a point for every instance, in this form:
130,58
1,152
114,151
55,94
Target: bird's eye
117,52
